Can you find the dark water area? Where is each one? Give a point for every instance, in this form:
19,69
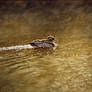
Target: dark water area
68,68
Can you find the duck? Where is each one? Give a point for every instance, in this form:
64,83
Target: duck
44,43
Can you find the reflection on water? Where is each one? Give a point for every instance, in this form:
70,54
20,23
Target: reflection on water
66,69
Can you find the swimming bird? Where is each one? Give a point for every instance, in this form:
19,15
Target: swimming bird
44,43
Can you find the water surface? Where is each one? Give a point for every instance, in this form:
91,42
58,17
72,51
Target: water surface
66,69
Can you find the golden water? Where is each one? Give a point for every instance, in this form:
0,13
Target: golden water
66,69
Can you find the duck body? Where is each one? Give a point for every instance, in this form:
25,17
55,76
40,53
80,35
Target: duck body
43,43
39,44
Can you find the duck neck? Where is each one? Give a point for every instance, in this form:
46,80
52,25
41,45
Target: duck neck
50,40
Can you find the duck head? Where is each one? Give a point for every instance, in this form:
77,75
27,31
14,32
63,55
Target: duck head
51,38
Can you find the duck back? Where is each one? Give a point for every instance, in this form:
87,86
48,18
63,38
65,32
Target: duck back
42,44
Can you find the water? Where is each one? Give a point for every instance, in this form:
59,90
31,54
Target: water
68,68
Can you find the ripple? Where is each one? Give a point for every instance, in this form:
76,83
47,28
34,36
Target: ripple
17,47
